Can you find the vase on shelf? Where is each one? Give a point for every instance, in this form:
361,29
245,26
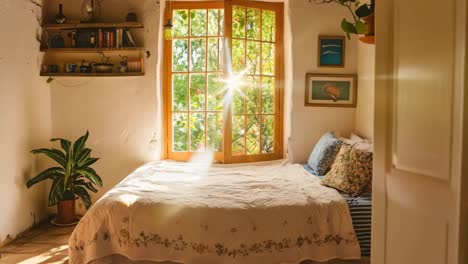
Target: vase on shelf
60,18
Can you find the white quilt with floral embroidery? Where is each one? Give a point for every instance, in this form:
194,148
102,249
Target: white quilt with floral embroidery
195,213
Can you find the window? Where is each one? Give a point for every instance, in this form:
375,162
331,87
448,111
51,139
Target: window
223,77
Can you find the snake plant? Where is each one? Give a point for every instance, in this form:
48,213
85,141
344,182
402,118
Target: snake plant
74,177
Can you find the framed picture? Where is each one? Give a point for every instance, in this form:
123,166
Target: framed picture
338,90
331,51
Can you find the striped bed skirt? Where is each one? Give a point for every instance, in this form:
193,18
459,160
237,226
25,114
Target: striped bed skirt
361,214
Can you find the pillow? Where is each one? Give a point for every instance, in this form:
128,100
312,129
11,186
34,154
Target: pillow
359,143
351,172
355,137
324,153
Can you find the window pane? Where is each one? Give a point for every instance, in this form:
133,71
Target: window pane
198,54
268,25
214,18
215,131
268,131
198,22
180,23
221,22
238,133
268,95
179,132
179,92
253,135
197,91
253,23
238,22
215,92
180,55
268,59
253,57
238,55
214,52
238,100
253,96
197,132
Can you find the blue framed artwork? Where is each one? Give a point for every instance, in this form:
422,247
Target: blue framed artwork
338,90
331,51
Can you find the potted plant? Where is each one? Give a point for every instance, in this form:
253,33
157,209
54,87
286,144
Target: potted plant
363,16
72,179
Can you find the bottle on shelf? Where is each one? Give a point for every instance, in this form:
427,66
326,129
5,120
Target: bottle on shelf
60,18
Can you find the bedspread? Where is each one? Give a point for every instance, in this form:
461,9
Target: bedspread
272,212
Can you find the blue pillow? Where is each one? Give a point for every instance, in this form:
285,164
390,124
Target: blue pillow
324,153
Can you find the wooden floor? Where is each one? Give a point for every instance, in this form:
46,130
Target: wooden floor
44,244
48,244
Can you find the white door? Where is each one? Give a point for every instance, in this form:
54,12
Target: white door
418,131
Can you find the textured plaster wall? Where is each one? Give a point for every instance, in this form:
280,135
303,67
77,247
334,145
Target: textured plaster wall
25,119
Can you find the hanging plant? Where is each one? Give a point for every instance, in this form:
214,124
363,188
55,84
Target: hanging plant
359,13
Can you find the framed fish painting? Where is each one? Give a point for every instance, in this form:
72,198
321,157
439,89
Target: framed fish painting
336,90
331,51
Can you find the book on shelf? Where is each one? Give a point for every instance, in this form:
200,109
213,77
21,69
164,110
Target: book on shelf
116,38
131,41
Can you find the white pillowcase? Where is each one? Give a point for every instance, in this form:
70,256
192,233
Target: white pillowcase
359,143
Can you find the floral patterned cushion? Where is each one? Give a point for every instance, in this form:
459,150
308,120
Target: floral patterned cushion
324,153
351,172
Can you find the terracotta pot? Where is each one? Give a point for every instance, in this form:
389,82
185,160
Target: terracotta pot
66,212
369,36
370,22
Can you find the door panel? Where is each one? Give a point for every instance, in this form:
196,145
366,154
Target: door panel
424,68
419,80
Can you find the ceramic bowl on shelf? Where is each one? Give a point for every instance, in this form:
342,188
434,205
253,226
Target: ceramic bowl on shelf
103,67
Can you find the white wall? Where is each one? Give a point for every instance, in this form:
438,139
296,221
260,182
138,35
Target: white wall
366,87
24,117
309,20
121,112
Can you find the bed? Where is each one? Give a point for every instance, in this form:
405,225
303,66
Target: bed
271,212
361,214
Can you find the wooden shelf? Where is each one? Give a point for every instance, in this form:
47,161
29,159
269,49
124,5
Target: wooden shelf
93,74
93,25
90,50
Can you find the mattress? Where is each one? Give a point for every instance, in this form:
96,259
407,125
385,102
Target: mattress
361,213
196,212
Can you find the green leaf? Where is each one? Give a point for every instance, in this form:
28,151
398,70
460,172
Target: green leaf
54,154
91,175
79,145
361,27
65,145
83,156
87,162
348,28
88,185
56,191
363,11
84,195
46,174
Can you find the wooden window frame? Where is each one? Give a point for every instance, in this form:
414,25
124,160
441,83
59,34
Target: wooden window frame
226,155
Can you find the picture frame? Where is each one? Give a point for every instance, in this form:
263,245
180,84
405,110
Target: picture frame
331,90
331,51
